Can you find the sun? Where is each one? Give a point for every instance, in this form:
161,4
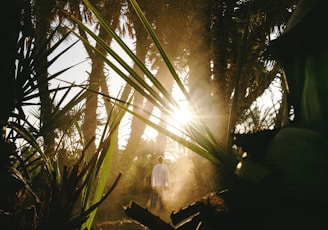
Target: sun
182,115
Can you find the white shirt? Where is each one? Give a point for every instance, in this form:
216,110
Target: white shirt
160,176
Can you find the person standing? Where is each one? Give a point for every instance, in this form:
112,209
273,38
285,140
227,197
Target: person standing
160,181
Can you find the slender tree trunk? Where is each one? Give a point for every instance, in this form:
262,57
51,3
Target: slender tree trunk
137,127
90,119
201,87
199,61
42,11
167,82
97,79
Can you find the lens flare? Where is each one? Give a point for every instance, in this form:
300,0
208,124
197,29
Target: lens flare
182,115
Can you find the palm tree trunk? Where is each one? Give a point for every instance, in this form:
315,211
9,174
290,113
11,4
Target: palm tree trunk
41,32
199,61
90,118
137,127
97,77
167,82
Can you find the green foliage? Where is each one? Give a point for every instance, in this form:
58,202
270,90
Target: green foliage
45,189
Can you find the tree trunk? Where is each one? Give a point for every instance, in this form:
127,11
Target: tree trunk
41,35
167,81
97,79
137,127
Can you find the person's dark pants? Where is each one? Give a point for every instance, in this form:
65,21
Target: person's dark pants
157,197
